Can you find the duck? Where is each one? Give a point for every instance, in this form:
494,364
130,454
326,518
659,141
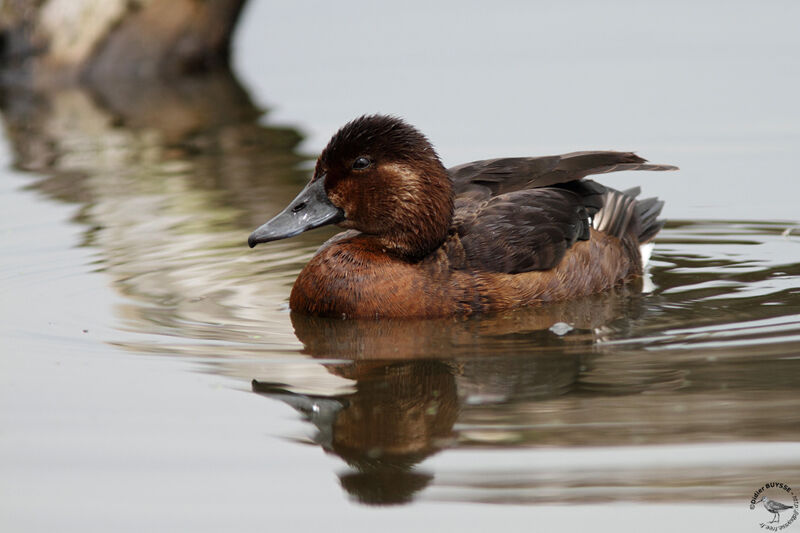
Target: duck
424,241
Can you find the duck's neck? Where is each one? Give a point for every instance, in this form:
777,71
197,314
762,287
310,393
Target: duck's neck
421,223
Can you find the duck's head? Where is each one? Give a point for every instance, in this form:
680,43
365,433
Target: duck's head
380,176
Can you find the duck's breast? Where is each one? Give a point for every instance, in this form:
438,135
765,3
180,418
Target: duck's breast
354,278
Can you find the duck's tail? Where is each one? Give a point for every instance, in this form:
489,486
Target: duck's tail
623,214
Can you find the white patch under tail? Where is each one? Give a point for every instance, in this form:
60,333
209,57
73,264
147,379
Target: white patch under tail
646,251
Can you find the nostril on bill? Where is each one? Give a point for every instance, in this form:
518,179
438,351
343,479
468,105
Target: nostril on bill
299,207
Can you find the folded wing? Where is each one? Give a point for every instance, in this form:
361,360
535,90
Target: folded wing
521,214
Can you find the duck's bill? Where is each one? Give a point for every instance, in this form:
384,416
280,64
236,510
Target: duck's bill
311,209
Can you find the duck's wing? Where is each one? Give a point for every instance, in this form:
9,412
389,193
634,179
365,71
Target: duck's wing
529,229
521,214
492,177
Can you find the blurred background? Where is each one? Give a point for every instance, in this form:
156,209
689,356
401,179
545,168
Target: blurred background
151,375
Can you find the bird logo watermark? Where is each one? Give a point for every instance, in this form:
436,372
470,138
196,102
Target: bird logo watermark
779,500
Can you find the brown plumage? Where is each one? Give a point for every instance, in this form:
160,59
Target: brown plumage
485,236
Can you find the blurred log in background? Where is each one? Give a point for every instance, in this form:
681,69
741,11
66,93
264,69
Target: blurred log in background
61,42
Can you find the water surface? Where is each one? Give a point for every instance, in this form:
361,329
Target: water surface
153,374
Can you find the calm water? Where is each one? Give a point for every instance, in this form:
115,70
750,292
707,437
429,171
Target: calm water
153,377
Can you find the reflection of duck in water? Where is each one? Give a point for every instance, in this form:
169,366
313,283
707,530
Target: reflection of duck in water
415,379
405,404
404,411
485,236
400,414
774,507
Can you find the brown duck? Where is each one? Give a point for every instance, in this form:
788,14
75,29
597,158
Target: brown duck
486,236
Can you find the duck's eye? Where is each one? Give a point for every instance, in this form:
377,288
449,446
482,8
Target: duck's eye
361,163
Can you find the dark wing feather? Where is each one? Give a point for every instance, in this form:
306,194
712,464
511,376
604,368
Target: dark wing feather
521,214
527,230
491,177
